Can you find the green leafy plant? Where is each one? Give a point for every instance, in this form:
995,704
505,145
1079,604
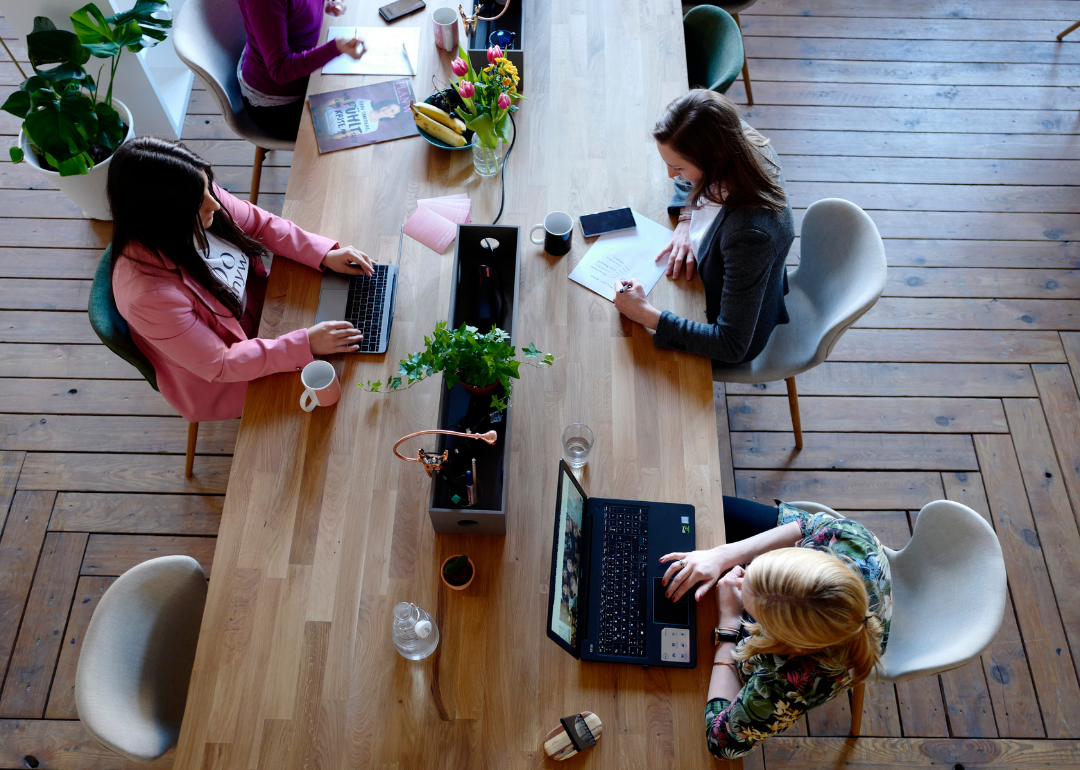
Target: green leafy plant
68,127
462,355
458,571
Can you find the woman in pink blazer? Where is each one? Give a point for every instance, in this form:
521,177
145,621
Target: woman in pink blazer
188,278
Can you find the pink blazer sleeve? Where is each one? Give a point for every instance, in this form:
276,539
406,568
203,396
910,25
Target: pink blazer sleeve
279,235
167,318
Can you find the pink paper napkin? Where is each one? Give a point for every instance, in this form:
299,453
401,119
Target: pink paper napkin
434,231
457,212
434,223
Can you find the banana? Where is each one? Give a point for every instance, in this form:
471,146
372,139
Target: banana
440,116
438,130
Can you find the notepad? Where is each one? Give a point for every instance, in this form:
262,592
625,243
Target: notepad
622,256
435,221
383,55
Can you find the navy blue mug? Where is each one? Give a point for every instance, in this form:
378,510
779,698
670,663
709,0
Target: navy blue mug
502,38
558,230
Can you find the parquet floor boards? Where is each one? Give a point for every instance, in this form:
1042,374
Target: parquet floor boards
952,122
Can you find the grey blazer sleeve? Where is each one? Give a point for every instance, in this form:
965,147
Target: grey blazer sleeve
678,200
747,264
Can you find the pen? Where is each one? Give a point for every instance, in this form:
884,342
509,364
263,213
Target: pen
625,286
470,495
405,51
475,479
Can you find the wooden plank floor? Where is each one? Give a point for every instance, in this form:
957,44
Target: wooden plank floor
954,123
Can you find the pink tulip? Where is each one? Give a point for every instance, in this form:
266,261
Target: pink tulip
459,67
494,53
466,89
504,102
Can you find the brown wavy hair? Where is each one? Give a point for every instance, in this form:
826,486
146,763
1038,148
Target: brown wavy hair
704,127
155,191
811,603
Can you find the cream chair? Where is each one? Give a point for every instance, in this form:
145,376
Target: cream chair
840,276
132,679
948,595
209,37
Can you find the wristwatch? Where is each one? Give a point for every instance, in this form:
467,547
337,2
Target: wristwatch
721,635
684,217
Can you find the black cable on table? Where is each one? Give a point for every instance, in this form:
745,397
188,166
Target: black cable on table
506,157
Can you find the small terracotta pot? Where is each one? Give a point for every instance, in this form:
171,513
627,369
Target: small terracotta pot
475,391
463,586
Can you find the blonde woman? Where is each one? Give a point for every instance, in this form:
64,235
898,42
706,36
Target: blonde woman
798,626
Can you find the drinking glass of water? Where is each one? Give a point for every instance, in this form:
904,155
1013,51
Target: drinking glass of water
577,440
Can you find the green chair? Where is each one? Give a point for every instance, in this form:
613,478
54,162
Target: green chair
113,331
714,48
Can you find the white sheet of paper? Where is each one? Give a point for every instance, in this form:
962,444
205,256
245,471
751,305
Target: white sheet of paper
622,256
383,56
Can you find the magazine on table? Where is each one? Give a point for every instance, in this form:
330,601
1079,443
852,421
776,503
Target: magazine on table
352,117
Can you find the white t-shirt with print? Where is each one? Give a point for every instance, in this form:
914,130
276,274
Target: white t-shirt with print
229,265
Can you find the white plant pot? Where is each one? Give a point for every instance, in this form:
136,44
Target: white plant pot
87,191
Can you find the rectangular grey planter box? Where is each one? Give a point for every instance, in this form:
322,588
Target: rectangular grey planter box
488,516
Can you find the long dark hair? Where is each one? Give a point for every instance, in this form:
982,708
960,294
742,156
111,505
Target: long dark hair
155,192
704,127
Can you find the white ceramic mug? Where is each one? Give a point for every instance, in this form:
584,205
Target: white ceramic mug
445,22
321,386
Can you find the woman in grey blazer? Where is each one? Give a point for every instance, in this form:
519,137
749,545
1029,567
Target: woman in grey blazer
735,228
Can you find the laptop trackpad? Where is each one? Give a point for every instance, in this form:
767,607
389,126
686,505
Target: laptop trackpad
332,303
667,612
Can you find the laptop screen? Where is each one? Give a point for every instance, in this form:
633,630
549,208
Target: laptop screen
564,611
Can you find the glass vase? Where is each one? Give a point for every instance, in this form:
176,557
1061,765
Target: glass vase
486,160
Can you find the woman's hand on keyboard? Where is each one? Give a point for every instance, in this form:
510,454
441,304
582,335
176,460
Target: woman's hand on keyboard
331,337
696,568
349,260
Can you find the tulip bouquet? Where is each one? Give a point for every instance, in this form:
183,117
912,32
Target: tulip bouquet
489,95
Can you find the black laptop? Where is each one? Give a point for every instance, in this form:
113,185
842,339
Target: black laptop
607,600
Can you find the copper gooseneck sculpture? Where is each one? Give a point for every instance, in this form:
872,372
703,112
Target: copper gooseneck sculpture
433,462
470,21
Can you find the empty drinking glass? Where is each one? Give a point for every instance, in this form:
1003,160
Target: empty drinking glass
577,440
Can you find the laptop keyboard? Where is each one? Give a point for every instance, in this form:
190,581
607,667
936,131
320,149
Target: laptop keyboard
364,309
623,591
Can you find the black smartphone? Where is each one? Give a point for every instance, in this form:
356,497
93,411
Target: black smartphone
607,222
401,8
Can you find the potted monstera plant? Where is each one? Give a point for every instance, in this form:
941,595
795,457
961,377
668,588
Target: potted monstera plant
69,129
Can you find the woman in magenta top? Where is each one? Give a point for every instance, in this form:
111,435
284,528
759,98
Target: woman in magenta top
188,278
282,50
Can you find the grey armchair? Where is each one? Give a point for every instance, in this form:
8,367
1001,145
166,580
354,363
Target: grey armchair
840,276
948,593
135,665
209,38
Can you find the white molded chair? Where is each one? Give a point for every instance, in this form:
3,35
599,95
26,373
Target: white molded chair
948,595
841,274
209,38
132,679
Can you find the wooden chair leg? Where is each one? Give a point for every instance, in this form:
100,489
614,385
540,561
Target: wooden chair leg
1070,29
858,692
192,438
256,175
745,65
793,404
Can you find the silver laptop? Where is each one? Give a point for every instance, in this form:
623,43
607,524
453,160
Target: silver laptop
367,302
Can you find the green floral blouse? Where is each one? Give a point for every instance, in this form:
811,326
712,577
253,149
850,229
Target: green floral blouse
777,690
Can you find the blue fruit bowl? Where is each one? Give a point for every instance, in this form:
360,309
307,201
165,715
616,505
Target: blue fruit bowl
441,144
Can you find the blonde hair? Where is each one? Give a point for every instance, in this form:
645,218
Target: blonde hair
811,603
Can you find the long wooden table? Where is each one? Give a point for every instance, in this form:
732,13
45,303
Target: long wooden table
324,531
